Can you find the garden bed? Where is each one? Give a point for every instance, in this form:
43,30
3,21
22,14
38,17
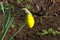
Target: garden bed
46,15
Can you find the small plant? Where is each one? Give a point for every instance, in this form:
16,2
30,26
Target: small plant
18,1
44,32
49,31
28,6
8,21
30,19
2,7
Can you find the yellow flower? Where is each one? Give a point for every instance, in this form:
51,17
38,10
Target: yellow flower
30,19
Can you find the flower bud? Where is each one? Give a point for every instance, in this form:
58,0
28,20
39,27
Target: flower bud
30,18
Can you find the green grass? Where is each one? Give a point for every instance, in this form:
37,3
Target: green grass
8,21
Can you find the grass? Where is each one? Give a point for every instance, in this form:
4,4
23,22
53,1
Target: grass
8,21
2,7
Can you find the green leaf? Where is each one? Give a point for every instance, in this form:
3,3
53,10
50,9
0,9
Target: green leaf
18,1
1,3
28,6
6,20
6,25
52,31
44,32
57,32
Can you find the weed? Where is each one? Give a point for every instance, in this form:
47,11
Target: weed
49,31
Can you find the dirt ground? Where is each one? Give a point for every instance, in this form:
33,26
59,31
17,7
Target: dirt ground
46,14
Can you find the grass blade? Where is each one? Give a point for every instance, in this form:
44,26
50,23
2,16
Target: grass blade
6,20
1,3
8,26
22,26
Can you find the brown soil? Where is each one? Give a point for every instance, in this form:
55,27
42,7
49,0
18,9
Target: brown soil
47,15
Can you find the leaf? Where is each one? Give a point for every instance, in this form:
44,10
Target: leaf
6,24
1,3
28,6
57,32
52,31
6,20
44,32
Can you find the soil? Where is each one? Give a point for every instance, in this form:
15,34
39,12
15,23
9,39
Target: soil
46,14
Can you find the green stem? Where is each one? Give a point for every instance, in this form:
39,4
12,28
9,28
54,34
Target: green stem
3,35
1,3
22,26
8,26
